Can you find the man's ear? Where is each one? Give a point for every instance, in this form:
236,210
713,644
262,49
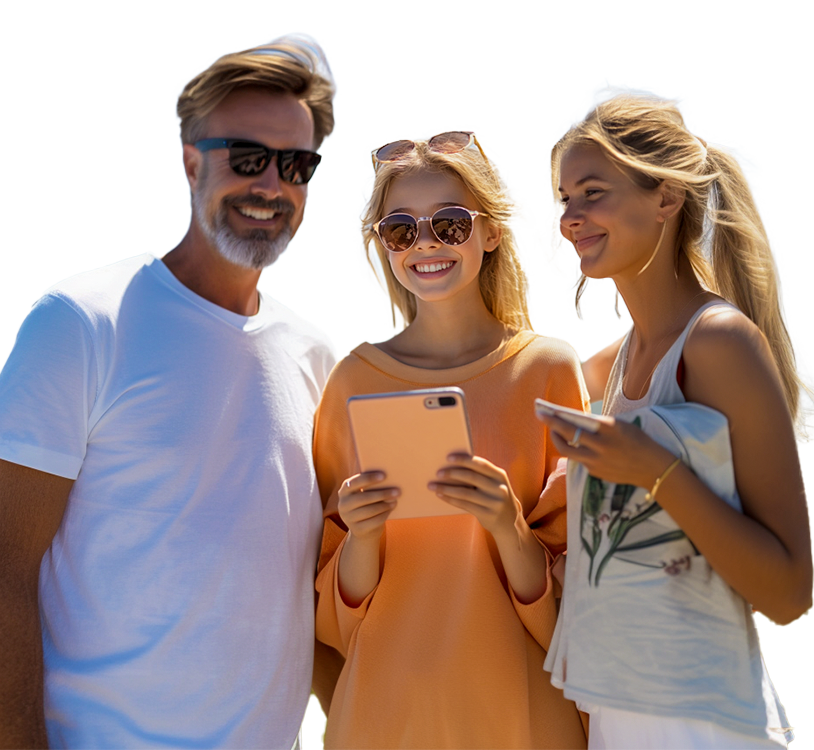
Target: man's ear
671,200
493,235
193,163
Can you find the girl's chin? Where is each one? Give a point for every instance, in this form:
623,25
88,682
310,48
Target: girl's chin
591,270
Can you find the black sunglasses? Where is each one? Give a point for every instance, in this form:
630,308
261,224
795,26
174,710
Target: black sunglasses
249,159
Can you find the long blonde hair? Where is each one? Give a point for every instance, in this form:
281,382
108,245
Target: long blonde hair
502,281
719,231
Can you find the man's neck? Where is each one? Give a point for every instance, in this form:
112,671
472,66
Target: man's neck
202,269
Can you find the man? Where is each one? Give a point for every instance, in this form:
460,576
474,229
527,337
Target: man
156,486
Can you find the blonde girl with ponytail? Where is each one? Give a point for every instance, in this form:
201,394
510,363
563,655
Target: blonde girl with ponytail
672,221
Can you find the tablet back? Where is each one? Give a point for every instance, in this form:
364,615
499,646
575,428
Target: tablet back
408,435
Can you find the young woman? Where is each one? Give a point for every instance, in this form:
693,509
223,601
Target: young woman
444,621
671,220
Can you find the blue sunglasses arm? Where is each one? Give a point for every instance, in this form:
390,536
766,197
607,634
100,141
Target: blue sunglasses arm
207,144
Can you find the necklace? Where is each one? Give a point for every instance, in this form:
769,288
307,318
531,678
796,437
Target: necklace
657,348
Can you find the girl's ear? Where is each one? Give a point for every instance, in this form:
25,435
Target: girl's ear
493,235
671,201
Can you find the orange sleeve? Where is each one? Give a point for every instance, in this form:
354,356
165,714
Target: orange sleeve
565,386
562,384
335,461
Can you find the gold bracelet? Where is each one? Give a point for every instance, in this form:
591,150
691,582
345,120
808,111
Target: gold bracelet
666,473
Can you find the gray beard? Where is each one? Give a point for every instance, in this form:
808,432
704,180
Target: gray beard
256,251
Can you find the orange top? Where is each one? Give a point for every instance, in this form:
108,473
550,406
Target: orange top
441,654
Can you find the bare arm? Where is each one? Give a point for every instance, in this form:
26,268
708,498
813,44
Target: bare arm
364,512
596,370
31,507
765,552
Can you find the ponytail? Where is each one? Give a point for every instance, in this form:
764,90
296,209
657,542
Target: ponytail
742,267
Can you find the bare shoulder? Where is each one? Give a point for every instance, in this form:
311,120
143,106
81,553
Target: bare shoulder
729,363
723,341
597,368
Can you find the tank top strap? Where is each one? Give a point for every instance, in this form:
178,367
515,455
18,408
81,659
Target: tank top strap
613,400
664,387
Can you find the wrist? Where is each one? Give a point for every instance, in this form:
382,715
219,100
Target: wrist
370,539
512,532
652,463
659,481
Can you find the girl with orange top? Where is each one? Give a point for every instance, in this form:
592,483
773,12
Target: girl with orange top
444,622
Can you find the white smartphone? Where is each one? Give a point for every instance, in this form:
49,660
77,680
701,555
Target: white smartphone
408,435
587,422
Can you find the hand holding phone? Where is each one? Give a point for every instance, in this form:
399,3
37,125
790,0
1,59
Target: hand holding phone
363,506
408,436
586,422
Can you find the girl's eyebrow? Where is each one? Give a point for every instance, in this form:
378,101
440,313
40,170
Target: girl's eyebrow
582,181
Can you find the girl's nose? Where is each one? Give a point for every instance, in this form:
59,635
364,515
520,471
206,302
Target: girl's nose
426,237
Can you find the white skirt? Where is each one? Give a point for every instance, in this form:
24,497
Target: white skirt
615,729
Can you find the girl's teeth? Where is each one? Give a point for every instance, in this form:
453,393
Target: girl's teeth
431,267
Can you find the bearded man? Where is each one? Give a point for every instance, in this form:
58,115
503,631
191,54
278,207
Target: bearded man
159,515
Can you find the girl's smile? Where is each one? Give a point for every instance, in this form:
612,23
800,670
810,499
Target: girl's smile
433,268
613,223
430,269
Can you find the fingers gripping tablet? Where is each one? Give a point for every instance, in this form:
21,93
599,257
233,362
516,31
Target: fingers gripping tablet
408,435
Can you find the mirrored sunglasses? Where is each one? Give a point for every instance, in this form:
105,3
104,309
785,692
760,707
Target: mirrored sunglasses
452,226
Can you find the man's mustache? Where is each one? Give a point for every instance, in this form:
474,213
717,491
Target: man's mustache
280,205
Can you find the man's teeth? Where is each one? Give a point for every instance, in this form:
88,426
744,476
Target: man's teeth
263,214
432,267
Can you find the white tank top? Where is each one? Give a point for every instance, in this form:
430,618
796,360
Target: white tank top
669,639
664,388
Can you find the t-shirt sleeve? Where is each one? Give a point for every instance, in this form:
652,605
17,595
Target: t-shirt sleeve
563,385
47,390
335,461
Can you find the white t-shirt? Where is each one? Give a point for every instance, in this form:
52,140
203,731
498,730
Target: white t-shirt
177,596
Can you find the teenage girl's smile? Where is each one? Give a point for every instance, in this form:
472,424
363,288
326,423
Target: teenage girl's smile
582,243
613,223
431,269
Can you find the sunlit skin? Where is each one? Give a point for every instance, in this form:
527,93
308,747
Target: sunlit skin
452,327
452,324
275,120
613,223
764,553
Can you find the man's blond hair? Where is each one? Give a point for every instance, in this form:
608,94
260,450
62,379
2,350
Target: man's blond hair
290,65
